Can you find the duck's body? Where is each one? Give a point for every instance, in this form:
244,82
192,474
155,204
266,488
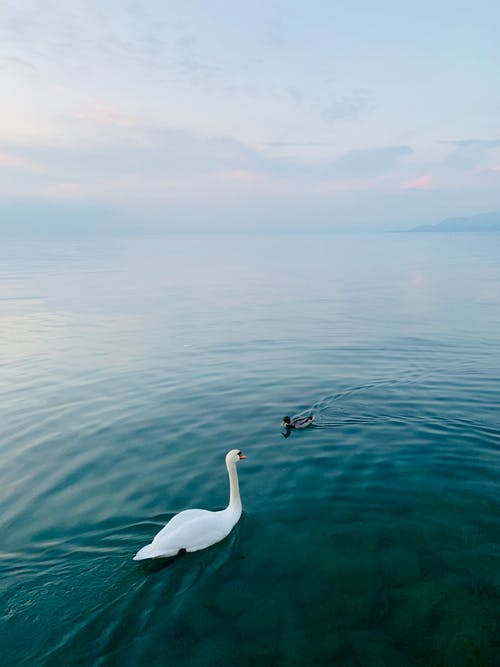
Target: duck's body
195,529
300,422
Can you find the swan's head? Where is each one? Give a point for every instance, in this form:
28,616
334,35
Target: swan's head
234,456
286,422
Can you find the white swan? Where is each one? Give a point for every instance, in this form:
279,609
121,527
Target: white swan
192,530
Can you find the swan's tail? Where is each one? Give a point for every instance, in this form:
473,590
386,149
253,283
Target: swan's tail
146,552
154,551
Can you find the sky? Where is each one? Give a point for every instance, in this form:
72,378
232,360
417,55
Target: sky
237,115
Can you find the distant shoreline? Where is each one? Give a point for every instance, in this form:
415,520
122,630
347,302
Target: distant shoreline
483,222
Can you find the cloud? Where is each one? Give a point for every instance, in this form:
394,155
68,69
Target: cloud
350,107
367,162
469,153
296,144
117,153
126,162
297,96
420,183
273,35
341,110
107,116
12,61
13,161
141,151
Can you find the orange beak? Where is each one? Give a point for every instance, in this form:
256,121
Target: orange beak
242,456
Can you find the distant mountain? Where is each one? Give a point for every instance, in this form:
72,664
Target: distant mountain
484,222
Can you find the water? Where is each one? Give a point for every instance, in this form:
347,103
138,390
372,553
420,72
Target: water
130,367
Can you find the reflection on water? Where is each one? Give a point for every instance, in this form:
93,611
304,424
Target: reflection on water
129,369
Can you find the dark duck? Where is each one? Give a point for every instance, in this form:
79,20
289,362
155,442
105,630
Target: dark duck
299,422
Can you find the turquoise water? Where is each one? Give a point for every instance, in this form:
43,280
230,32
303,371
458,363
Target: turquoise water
130,367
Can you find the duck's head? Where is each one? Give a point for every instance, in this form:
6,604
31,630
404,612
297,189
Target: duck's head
286,422
234,456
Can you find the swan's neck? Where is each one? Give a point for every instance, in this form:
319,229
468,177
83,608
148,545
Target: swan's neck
234,490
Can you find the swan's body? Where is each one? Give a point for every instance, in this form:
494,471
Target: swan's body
192,530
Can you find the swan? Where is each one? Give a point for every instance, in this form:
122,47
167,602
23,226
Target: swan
192,530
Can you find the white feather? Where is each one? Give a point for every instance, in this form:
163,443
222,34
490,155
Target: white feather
197,529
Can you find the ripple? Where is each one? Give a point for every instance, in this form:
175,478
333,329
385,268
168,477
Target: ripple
369,538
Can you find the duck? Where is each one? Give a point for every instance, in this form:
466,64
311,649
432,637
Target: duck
299,422
195,529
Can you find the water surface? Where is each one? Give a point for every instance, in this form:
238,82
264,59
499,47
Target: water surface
129,367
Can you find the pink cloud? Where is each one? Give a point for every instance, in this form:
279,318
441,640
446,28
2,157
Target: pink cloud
13,161
420,183
106,116
64,190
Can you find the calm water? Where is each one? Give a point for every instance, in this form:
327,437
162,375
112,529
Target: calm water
130,367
